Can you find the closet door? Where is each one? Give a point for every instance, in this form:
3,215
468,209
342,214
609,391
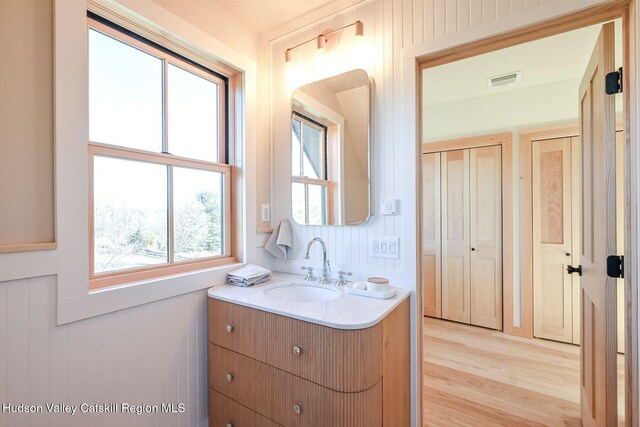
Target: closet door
456,291
552,239
485,216
431,268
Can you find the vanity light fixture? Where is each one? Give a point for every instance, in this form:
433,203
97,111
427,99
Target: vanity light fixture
323,43
359,29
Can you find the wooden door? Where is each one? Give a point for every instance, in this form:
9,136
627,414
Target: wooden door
485,231
598,397
456,285
552,239
431,244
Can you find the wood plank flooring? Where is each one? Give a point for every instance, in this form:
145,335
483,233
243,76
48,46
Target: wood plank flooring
477,377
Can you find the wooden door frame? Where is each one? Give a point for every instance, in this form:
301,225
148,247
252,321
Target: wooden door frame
627,10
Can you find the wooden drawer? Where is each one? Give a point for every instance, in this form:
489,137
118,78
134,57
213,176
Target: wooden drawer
237,328
334,358
275,394
224,412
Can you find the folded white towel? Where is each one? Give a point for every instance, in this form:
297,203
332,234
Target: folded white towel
248,275
280,240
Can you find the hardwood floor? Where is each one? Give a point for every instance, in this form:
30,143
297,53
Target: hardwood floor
478,377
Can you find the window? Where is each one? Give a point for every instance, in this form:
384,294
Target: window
310,183
160,185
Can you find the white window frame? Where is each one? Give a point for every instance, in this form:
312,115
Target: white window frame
70,262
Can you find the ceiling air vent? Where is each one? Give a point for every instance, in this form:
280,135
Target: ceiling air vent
504,80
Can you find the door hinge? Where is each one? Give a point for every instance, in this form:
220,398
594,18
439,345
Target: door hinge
571,269
613,82
615,266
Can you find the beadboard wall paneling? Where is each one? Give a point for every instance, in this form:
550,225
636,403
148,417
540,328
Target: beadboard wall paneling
150,354
425,20
393,30
347,246
432,25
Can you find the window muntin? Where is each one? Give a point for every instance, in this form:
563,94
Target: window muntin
310,183
160,223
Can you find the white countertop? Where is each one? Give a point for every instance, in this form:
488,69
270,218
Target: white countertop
345,312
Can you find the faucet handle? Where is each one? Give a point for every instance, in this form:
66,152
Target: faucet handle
341,280
310,277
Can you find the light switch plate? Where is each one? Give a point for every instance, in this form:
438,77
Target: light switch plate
266,213
389,206
384,247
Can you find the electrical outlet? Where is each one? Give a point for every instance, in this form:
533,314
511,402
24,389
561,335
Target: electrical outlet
266,213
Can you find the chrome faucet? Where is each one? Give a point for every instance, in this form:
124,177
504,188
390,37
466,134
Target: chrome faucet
326,267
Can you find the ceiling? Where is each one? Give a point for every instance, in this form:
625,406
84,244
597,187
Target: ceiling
266,15
543,61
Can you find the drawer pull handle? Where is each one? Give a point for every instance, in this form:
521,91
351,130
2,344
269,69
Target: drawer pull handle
229,377
230,327
229,424
297,350
297,408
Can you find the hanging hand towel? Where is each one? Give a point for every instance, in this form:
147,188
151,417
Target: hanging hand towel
281,240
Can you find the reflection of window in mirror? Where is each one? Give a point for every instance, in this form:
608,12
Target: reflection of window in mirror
311,189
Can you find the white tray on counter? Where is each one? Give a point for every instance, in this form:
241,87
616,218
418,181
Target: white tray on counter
371,294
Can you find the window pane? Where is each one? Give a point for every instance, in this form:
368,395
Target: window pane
317,204
313,152
125,94
130,214
298,203
296,141
193,115
198,214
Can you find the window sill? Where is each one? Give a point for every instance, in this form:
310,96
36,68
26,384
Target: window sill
109,299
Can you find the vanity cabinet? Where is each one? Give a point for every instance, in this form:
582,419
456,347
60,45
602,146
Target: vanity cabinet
266,369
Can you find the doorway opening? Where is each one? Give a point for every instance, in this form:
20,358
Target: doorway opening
503,234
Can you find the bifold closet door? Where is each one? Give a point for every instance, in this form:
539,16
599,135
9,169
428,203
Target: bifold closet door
431,268
456,283
485,230
552,239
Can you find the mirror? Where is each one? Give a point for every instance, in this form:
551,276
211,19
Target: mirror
330,151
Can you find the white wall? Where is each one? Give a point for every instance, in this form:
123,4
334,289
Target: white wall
155,351
215,20
145,355
148,354
397,33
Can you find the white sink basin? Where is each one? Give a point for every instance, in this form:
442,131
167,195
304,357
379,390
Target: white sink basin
303,292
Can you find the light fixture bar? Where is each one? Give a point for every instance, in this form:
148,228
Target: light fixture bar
321,39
